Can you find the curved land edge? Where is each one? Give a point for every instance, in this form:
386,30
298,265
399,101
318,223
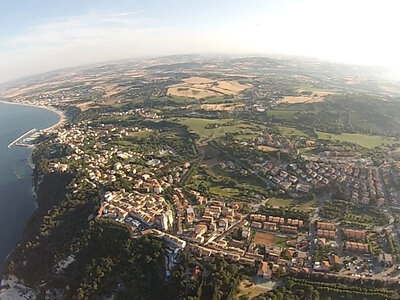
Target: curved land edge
8,278
60,113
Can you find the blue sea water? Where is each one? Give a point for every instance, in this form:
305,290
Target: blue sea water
17,202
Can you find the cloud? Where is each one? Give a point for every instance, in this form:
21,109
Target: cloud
70,30
354,31
96,37
77,40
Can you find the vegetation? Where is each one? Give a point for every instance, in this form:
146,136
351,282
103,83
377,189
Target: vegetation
367,141
219,279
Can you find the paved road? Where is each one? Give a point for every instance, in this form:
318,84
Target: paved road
392,228
313,229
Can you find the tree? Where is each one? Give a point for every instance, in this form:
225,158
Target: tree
315,295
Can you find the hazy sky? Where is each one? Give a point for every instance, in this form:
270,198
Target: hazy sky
42,35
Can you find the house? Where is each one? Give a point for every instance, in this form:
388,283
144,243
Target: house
326,226
329,234
264,270
304,188
246,233
190,216
153,162
334,259
199,230
255,224
356,247
223,223
356,234
108,196
321,241
157,189
289,229
269,226
385,260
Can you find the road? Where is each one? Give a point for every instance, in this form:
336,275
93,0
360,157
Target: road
392,227
313,229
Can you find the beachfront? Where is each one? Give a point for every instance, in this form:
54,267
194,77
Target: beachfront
60,113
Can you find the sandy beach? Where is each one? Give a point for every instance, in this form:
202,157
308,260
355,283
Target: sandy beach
62,120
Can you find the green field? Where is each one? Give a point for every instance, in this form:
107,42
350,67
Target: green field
291,131
307,206
282,114
367,141
292,203
280,202
280,241
306,150
244,137
224,191
141,134
198,125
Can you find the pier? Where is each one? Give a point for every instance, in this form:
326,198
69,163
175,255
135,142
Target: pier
33,130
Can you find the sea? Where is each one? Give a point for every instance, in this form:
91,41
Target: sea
17,201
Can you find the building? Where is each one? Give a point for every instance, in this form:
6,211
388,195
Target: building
356,247
264,270
385,260
356,234
326,226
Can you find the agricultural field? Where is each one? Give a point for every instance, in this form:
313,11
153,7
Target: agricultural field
281,114
190,92
221,107
306,97
201,87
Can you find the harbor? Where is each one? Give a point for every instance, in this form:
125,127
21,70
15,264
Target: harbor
26,139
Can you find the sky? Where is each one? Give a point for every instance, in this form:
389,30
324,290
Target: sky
42,35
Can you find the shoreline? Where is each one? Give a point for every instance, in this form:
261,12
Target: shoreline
60,113
31,165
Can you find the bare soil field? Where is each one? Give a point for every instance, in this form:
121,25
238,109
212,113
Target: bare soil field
190,92
198,80
201,87
249,290
266,148
221,107
262,238
85,105
230,87
110,89
313,98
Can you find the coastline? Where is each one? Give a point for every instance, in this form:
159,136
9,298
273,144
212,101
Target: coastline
29,161
60,113
60,122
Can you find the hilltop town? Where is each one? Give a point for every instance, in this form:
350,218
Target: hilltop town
278,172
